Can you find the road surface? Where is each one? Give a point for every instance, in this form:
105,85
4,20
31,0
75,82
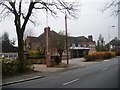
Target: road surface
98,75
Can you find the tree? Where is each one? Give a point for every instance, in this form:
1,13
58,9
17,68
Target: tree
58,42
28,32
100,44
114,5
23,10
5,37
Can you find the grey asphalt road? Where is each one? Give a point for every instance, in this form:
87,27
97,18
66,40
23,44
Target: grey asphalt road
97,75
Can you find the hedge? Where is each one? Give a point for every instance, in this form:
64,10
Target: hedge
99,56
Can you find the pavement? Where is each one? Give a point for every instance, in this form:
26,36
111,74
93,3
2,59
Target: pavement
42,71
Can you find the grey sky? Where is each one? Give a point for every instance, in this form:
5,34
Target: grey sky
90,22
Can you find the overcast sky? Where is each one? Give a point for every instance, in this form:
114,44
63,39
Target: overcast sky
90,22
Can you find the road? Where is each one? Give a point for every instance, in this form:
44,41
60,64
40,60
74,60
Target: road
97,75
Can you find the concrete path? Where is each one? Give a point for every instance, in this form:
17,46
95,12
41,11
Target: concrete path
42,68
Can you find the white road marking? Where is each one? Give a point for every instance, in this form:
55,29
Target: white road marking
71,81
104,69
106,60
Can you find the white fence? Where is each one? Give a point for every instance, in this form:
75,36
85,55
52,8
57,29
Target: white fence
9,55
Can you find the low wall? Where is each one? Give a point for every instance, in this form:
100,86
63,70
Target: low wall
37,61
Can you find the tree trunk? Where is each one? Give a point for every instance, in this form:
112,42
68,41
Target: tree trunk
60,57
22,65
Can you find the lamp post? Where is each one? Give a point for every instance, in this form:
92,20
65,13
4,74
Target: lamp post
109,36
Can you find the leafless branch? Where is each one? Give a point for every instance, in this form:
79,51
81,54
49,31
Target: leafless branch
6,7
112,4
20,6
4,15
28,14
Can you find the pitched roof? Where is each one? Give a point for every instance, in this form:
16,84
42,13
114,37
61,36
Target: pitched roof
33,39
7,47
55,34
115,42
78,39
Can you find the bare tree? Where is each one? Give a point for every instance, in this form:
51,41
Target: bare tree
114,5
58,42
23,10
28,32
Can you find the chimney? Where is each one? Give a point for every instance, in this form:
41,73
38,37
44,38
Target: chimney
45,29
90,38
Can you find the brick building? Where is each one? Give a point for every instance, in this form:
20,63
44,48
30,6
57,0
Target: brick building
81,44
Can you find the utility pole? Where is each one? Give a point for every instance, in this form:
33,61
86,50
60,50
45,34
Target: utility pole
66,37
48,58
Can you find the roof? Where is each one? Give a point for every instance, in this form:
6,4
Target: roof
42,36
79,39
115,42
33,39
7,47
52,33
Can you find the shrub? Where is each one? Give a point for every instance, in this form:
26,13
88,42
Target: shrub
33,53
99,56
36,53
56,59
89,58
9,66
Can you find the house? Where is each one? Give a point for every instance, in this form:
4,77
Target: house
84,42
78,46
81,46
35,43
114,44
8,50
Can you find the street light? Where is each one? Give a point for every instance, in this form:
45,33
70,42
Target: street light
109,36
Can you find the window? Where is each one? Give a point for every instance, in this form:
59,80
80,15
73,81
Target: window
85,45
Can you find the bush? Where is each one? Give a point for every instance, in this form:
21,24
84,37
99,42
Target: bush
33,53
99,56
56,59
9,66
29,66
36,53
